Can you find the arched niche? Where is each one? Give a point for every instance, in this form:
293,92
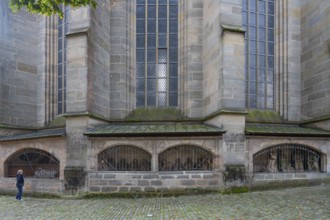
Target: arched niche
287,158
185,157
34,163
124,158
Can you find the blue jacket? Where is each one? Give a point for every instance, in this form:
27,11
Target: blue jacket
19,180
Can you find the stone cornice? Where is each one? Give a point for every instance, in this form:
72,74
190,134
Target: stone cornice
232,28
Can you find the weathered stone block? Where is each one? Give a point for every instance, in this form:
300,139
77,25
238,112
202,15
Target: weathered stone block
188,182
167,177
98,182
214,183
135,189
143,183
109,176
152,176
149,189
156,183
96,176
109,189
123,189
300,175
183,177
114,182
196,176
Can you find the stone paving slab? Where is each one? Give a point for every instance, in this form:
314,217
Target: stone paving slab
298,204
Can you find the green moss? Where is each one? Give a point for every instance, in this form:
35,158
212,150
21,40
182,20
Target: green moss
57,122
234,172
155,114
264,116
233,28
285,184
235,190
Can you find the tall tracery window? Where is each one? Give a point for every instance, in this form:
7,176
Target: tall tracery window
124,158
34,163
61,61
156,53
185,158
259,23
287,158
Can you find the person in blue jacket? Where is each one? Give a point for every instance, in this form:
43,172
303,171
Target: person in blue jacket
19,184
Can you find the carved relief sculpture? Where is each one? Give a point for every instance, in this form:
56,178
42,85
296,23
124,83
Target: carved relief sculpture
272,165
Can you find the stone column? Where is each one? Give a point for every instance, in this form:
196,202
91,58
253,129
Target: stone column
77,98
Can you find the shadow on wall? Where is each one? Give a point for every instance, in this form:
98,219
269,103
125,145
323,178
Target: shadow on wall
74,179
234,174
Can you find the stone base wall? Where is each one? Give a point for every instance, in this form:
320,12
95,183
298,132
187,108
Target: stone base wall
279,180
112,182
32,185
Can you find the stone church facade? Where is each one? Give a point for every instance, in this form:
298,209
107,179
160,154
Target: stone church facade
156,95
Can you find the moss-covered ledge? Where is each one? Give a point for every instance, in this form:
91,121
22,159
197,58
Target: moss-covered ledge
232,28
18,127
155,114
57,122
264,116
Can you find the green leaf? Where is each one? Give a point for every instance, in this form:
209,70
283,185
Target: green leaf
48,7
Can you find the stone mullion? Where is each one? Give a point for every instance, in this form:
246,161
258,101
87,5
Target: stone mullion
48,87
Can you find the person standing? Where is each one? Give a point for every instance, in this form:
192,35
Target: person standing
19,184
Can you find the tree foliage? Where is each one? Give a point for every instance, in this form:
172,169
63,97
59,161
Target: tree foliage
48,7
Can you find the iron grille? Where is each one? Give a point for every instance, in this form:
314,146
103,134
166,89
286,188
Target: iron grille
287,158
185,158
124,158
34,163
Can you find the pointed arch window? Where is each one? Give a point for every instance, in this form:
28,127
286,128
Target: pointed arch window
259,23
61,61
156,53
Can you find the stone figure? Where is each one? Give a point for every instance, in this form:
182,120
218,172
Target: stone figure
285,162
102,165
135,164
165,165
122,165
208,163
145,165
189,165
272,165
313,164
299,163
177,164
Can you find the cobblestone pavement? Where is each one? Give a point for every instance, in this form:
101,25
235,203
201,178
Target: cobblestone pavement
298,203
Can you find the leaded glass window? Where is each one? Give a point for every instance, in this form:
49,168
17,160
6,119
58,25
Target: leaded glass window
156,53
259,23
61,62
